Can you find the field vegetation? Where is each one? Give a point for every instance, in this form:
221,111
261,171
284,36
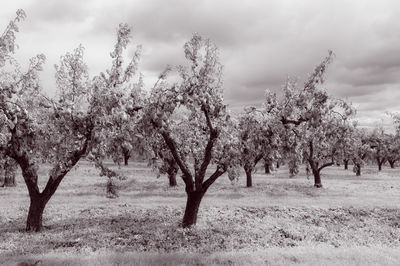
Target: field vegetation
278,221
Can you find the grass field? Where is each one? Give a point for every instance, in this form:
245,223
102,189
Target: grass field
280,221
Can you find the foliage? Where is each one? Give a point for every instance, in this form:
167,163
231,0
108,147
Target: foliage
314,123
201,133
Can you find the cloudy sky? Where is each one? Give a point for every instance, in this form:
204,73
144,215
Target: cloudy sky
261,42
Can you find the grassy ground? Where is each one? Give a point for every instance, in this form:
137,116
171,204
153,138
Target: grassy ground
280,221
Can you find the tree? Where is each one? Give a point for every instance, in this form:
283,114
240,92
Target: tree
35,128
359,149
8,168
393,149
312,121
379,143
320,142
204,135
258,140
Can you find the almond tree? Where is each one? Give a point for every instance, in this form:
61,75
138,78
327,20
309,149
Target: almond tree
202,138
35,128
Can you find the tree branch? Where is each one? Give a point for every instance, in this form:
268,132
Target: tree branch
220,171
187,176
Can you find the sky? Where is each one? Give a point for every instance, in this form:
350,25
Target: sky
261,43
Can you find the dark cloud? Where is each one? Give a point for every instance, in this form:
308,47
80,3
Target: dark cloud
261,42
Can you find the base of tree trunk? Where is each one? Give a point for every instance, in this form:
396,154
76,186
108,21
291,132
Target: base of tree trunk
192,208
318,185
34,222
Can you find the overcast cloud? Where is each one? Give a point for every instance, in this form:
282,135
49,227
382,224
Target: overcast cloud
261,42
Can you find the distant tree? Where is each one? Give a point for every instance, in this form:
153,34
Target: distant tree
203,136
8,168
313,122
378,141
393,149
360,149
258,138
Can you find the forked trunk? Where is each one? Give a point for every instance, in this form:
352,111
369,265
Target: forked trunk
249,179
36,208
391,163
192,208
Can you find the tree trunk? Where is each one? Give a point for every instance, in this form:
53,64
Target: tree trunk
192,208
317,178
127,155
267,167
172,176
9,168
249,181
391,163
277,165
9,180
358,169
36,208
380,166
346,164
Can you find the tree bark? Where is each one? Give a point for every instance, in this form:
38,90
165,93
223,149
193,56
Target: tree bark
346,164
192,208
391,163
277,165
249,179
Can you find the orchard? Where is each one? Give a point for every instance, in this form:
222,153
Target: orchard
181,127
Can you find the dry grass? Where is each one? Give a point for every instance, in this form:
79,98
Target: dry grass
280,221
